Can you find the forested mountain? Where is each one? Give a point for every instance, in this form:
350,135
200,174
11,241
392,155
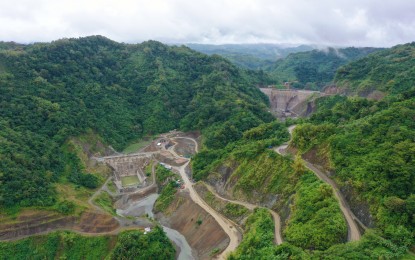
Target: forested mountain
52,91
250,56
366,146
303,66
314,69
389,71
117,93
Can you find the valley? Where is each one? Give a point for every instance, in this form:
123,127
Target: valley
323,169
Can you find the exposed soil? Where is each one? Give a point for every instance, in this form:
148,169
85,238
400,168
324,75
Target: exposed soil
185,216
131,197
219,204
167,158
33,222
91,222
192,134
196,136
184,147
316,157
151,148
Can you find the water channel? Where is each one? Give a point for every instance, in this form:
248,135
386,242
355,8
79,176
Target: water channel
145,207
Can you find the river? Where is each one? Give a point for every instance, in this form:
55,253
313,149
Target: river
145,206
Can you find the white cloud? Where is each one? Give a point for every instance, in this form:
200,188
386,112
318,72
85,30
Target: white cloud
341,22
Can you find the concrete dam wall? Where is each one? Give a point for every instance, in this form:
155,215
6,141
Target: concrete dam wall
291,103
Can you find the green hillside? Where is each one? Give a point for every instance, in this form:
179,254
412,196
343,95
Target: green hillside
69,245
52,91
57,96
250,56
370,147
390,71
314,69
366,146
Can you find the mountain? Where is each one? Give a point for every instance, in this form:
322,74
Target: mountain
250,56
388,71
314,69
364,147
53,91
352,161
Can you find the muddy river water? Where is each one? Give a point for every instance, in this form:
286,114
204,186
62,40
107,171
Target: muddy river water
145,206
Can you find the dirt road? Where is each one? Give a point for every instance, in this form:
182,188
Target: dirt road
191,139
353,230
277,220
229,228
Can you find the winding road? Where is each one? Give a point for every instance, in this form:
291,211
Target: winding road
237,236
277,220
353,230
229,227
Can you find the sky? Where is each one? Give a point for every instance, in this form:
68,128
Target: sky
380,23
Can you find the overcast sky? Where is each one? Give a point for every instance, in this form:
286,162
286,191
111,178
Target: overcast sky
324,22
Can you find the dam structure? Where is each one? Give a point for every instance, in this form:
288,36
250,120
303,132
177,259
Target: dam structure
291,103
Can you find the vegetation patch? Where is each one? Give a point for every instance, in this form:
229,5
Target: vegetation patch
258,239
58,245
137,245
105,201
130,181
230,210
69,245
135,147
168,183
371,149
111,187
163,175
316,222
166,197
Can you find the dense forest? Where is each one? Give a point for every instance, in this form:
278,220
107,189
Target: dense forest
122,92
118,93
366,145
250,56
69,245
256,174
390,71
369,148
304,66
316,68
381,175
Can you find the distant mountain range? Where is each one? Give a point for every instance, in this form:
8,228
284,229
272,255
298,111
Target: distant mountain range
251,56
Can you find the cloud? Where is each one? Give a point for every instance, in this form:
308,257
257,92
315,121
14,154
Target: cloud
324,22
